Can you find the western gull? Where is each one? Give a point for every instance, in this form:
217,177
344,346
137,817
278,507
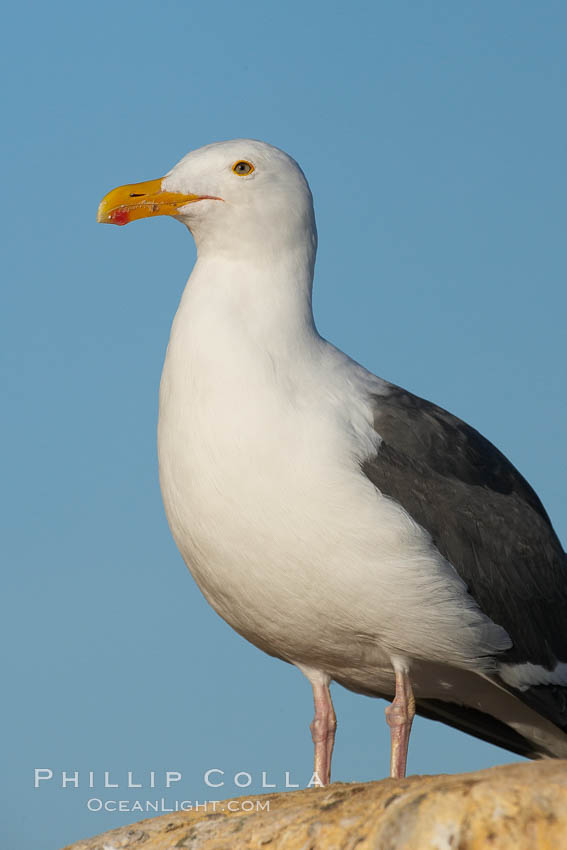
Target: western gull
336,520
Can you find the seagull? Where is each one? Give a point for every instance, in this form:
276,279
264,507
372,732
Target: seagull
335,520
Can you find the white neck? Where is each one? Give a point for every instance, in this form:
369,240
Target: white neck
266,299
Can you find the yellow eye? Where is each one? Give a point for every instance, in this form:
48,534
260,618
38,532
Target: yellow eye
242,168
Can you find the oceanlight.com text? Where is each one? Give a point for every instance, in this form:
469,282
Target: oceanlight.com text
95,804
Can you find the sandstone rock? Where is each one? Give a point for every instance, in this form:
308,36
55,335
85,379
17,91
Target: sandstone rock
514,807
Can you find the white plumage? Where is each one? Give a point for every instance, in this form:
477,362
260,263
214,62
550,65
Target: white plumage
263,429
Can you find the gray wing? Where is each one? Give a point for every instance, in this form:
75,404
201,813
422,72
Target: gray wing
487,521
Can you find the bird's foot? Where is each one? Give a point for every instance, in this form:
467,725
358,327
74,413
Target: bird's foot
399,716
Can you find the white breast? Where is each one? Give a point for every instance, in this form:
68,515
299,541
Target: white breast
259,461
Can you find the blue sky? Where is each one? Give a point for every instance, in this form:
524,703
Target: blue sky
434,139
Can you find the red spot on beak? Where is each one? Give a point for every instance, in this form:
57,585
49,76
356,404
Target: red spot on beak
119,216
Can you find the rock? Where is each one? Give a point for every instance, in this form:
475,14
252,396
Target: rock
514,807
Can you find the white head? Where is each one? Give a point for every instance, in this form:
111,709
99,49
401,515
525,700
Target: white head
238,198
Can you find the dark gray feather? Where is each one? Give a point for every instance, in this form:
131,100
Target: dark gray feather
487,521
479,724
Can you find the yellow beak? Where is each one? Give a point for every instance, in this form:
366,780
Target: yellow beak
140,200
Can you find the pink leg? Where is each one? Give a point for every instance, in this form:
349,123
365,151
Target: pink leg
323,731
399,716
